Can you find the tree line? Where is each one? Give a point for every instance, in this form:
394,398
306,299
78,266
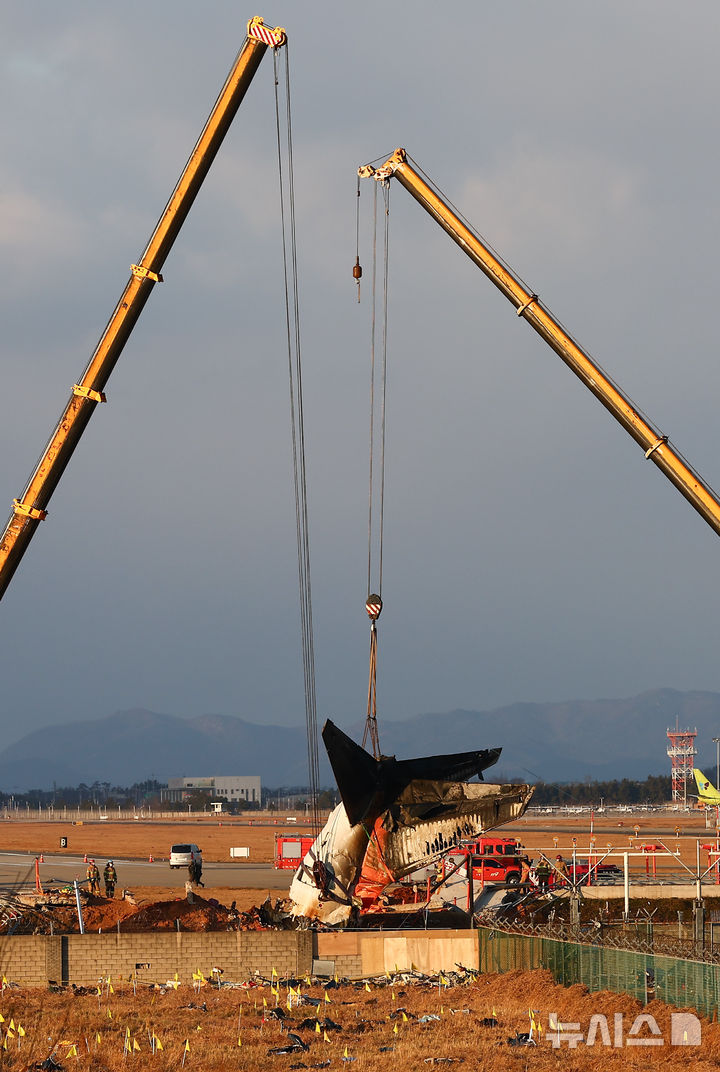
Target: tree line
655,789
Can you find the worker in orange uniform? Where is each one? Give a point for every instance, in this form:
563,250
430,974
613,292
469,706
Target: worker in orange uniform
561,870
93,877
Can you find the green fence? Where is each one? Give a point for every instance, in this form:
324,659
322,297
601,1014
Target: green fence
684,983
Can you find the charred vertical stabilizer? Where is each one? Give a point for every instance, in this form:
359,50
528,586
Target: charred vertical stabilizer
369,786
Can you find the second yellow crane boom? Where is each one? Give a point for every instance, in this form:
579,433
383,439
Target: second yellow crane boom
528,305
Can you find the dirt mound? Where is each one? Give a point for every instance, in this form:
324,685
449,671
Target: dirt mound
58,915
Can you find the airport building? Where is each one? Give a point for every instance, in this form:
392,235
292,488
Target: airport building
230,788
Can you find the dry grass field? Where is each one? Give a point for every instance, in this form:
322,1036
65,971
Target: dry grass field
215,1030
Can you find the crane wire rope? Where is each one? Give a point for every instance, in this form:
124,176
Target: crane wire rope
292,322
374,604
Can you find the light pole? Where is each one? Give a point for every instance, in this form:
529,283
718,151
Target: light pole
716,741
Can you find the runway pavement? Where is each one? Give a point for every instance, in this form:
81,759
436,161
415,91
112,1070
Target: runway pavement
17,870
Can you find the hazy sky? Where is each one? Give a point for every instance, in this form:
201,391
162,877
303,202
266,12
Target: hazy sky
531,552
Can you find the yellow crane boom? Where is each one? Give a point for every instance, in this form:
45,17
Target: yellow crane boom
528,305
31,508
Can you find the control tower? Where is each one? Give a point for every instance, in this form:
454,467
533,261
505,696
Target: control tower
682,751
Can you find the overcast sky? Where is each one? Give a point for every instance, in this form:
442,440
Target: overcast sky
531,553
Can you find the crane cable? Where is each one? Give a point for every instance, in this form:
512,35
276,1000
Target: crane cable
374,603
292,320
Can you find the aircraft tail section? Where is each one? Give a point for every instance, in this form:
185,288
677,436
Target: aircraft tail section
706,790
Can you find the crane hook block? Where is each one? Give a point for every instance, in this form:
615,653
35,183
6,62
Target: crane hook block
373,606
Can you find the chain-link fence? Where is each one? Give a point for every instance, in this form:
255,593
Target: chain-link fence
645,975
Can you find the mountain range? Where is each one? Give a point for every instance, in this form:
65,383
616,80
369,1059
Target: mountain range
553,742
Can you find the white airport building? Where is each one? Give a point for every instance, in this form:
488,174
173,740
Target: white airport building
230,788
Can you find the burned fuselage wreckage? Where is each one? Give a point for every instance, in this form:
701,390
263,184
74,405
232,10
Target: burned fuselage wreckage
395,817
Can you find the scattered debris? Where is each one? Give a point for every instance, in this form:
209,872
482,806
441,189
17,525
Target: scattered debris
522,1038
294,1045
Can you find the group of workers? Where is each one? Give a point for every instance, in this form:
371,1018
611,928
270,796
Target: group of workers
539,874
109,878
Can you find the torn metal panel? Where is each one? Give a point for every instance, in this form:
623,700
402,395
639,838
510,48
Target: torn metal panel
431,817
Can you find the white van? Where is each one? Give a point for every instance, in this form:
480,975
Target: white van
182,855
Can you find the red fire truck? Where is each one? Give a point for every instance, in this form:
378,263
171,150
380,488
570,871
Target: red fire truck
290,850
493,859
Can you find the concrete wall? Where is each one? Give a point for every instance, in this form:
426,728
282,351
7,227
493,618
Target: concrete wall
31,960
85,958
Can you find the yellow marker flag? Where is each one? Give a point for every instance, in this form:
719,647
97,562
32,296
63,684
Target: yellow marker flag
289,1003
72,1052
177,977
2,1019
239,1041
346,1053
325,1037
111,989
21,1031
392,992
187,1046
494,1013
395,1030
109,1014
367,987
336,979
405,1019
317,1027
97,1038
273,974
158,1043
135,1044
264,1003
327,999
443,981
